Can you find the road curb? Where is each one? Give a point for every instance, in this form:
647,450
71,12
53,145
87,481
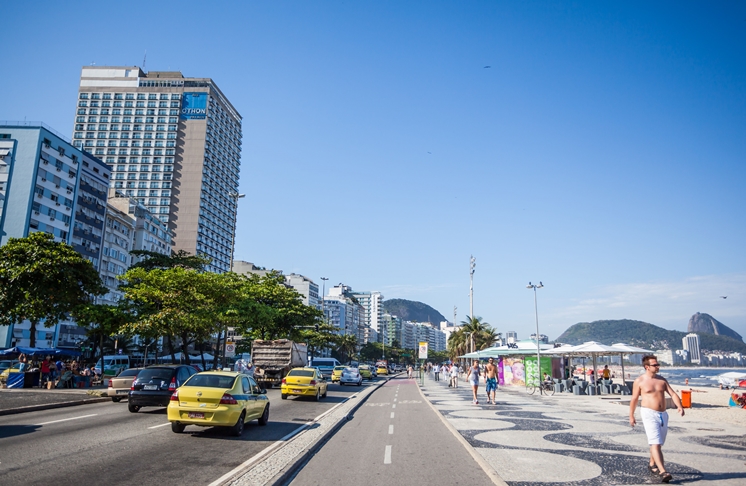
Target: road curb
51,406
486,466
291,470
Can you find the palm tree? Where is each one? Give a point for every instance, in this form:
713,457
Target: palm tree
474,327
347,345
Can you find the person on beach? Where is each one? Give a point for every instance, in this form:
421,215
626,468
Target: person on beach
652,388
473,378
436,371
490,374
454,375
606,373
409,372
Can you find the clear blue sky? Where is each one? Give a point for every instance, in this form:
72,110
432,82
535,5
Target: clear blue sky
601,153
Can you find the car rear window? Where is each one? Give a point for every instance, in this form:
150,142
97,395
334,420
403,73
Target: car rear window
130,372
211,381
337,368
300,373
350,370
155,374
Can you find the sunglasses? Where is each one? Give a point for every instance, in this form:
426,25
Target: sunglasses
656,365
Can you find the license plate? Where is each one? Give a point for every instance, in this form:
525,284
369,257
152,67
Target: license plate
150,387
122,392
196,415
295,390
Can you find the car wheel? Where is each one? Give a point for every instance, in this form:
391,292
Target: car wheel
264,419
284,396
177,428
359,383
133,408
116,399
318,395
237,429
325,392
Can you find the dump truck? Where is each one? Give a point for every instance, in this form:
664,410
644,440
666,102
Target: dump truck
274,359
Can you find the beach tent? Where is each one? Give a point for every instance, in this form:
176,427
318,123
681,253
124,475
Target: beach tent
732,379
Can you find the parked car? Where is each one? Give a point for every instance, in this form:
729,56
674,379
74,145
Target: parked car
154,385
382,370
218,399
351,376
304,382
119,386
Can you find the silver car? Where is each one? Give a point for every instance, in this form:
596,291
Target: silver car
351,376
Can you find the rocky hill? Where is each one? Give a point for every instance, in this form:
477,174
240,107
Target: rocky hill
410,310
644,335
705,323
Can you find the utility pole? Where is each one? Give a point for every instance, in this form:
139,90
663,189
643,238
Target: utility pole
472,265
235,196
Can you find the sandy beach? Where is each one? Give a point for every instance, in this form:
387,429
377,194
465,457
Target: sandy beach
711,405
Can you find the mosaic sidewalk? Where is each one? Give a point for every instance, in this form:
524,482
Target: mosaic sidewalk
585,441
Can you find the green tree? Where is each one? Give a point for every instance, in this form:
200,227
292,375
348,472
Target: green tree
43,280
101,321
180,259
346,346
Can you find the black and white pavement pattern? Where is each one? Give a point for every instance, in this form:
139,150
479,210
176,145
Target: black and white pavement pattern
585,441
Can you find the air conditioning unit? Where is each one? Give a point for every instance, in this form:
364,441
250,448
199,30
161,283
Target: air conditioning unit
43,179
67,208
36,212
57,186
44,161
59,170
57,203
67,224
38,195
69,191
51,219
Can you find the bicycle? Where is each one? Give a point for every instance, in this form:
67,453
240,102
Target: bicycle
543,387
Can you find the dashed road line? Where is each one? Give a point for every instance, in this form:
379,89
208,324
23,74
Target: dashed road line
392,414
391,429
158,426
387,455
65,420
393,406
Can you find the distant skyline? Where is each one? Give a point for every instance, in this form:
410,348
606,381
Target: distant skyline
602,152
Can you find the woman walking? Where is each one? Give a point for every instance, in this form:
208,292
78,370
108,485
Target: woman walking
473,377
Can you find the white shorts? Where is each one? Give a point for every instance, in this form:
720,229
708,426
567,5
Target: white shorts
656,425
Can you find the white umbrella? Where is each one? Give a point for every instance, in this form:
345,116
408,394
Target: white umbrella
593,348
627,349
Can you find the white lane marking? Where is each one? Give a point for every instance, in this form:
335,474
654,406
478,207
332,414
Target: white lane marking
158,426
391,429
394,399
392,414
65,420
387,455
393,406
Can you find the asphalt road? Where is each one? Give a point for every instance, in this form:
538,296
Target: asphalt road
394,438
105,444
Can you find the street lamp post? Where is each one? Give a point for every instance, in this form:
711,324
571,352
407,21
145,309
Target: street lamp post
235,196
538,352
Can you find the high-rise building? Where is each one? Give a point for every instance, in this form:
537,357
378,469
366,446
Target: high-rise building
306,287
46,184
511,337
373,304
691,344
174,144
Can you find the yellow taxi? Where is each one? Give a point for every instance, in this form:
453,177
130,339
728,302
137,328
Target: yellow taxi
306,382
337,373
218,399
365,372
382,370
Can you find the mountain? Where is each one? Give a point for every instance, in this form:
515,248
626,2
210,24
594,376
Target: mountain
410,310
705,323
644,335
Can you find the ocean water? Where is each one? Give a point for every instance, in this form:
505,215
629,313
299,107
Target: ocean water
697,376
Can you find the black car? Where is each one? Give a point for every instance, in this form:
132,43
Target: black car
154,385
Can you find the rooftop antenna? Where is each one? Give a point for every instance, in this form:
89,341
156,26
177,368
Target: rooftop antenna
144,58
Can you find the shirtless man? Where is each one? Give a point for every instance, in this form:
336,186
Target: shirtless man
490,373
653,388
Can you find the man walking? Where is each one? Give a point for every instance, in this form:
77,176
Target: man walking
454,375
653,388
490,373
436,370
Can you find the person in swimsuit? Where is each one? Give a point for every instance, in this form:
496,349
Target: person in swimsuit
652,388
490,373
473,377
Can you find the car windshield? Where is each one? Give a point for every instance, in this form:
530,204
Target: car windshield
155,374
307,373
211,381
129,372
339,368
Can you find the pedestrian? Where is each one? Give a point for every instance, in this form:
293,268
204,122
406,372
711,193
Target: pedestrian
410,370
606,373
454,375
22,363
436,371
473,378
490,373
45,371
652,388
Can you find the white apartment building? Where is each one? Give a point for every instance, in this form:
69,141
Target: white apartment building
151,234
119,235
174,144
373,304
691,344
306,287
511,337
343,311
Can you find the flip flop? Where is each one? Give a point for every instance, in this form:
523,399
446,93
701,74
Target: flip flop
665,476
653,469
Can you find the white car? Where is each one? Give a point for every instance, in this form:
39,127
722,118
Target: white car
352,376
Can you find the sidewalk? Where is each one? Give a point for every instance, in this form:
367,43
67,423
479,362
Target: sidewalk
21,400
585,440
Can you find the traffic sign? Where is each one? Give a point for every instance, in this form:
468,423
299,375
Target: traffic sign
230,349
423,350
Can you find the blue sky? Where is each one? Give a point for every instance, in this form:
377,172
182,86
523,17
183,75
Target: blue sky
601,153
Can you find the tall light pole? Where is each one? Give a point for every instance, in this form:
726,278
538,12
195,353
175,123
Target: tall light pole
472,265
538,352
235,196
323,311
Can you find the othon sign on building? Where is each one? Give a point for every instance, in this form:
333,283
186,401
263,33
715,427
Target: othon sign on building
194,106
